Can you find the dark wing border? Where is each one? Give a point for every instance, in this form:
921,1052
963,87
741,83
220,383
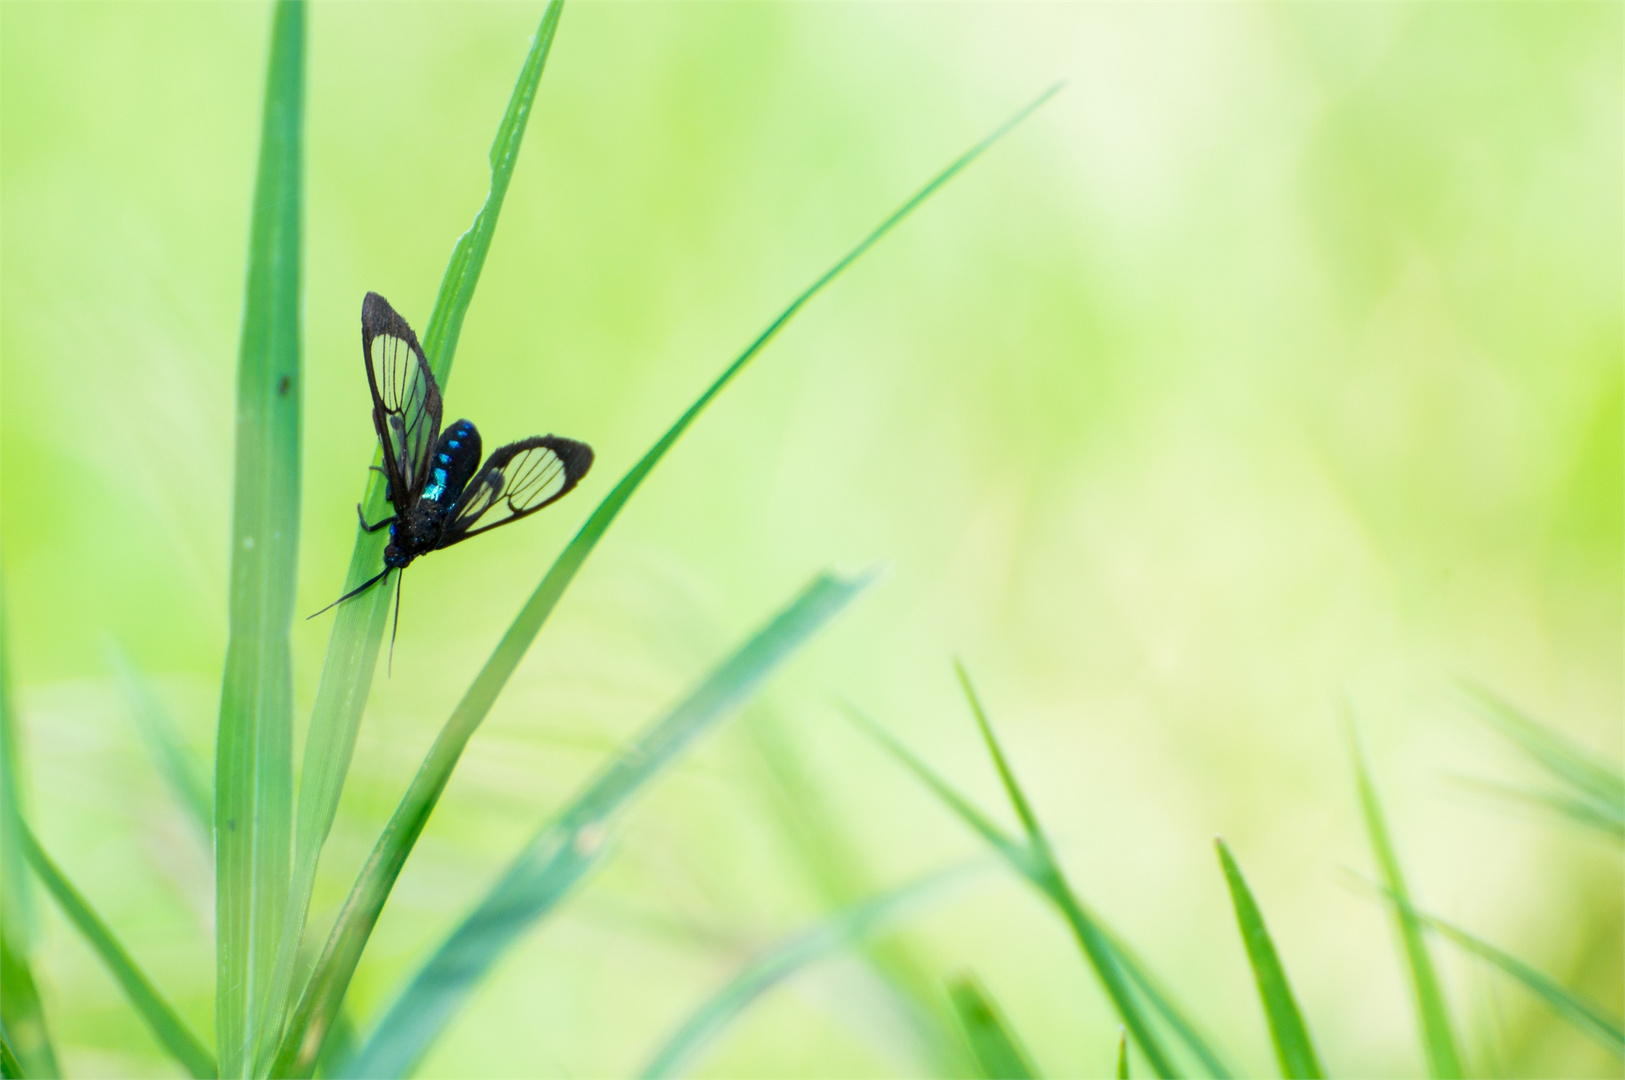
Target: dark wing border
378,320
532,481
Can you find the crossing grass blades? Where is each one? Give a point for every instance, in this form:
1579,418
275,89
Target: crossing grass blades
429,472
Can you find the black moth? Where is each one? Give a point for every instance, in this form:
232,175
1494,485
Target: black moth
441,493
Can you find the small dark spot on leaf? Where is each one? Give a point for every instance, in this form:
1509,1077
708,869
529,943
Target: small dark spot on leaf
231,824
284,385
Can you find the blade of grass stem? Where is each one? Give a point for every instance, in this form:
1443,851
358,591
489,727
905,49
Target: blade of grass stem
358,627
1596,787
1122,1054
1433,1017
1293,1047
180,770
843,930
254,747
1041,872
998,1054
560,854
9,1065
23,1015
1585,1015
1200,1046
167,1026
348,938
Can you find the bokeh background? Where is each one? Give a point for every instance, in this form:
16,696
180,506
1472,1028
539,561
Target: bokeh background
1274,364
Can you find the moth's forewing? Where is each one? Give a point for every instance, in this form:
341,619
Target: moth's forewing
405,398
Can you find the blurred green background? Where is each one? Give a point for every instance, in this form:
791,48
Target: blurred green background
1277,359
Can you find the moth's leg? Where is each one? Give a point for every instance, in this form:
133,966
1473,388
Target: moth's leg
372,528
389,495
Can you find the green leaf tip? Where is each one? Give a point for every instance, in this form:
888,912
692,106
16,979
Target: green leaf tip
999,1054
1433,1016
1293,1048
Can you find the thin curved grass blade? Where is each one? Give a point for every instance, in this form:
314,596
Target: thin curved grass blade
997,1051
844,930
166,1024
1433,1016
358,627
9,1065
559,855
1585,1015
1199,1045
1293,1047
348,938
1033,864
1594,788
22,1014
182,772
254,746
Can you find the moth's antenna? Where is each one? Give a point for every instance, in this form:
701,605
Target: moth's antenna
357,591
393,629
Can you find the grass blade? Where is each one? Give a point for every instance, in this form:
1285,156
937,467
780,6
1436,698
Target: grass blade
348,938
22,1014
175,762
1162,1003
1293,1048
254,747
560,854
358,627
1122,1054
9,1065
843,930
997,1052
1583,1014
170,1030
1044,875
1433,1017
1595,787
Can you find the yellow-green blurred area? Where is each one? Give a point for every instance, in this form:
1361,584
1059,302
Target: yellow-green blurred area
1275,363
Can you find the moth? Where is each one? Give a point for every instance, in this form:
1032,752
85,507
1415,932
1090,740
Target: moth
440,492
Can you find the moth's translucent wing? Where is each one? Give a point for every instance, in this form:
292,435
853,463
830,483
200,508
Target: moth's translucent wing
405,399
515,481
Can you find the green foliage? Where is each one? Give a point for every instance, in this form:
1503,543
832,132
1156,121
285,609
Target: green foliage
1433,1016
1293,1047
22,1015
563,851
170,1030
254,747
180,770
997,1051
846,929
1591,789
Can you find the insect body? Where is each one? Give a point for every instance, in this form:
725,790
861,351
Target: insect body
441,493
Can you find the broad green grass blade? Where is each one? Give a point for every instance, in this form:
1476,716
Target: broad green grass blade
1293,1047
559,855
371,890
23,1015
1433,1017
1595,787
844,930
254,747
9,1065
1122,1054
170,1030
1039,869
180,770
1587,1016
998,1053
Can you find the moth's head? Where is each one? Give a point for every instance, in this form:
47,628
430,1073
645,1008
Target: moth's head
394,557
